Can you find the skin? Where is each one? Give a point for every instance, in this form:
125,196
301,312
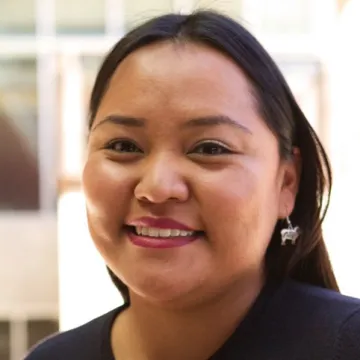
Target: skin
234,189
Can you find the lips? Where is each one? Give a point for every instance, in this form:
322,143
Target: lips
160,233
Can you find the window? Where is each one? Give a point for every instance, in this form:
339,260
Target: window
304,79
138,11
91,65
19,175
228,7
77,79
17,16
80,16
282,16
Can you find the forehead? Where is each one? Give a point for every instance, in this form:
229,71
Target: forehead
189,78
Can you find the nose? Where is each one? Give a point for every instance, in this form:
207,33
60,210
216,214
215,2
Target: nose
161,181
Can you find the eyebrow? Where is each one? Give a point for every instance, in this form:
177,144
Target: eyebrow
205,121
216,120
121,120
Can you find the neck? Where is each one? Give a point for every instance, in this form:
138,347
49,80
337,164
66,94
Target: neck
150,331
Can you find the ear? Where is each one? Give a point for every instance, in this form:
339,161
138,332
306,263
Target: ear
289,182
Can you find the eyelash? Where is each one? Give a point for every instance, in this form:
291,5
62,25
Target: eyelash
111,145
214,144
222,149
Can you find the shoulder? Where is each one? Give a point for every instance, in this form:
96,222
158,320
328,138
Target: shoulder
348,340
320,300
84,342
325,314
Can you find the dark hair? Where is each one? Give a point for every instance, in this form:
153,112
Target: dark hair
308,261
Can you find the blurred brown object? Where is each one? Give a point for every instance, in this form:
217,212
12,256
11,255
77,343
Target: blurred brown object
19,177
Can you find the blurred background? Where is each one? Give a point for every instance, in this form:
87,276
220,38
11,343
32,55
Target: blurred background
50,274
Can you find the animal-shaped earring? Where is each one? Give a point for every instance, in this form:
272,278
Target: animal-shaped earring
290,233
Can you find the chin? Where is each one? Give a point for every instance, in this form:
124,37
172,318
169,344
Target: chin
167,292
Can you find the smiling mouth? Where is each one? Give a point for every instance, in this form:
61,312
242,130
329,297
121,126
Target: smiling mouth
160,233
161,238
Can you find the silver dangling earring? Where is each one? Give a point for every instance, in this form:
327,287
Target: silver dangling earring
290,233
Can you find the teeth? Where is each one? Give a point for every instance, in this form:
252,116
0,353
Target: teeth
162,233
175,232
165,233
153,232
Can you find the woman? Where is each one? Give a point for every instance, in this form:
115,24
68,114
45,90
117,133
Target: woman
199,161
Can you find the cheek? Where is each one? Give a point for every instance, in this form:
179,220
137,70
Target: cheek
241,211
107,189
238,189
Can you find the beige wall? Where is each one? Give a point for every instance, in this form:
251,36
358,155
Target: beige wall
17,13
28,271
230,7
80,13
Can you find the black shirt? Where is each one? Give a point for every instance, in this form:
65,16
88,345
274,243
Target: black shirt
292,321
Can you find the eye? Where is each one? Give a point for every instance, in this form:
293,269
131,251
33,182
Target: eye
210,148
123,146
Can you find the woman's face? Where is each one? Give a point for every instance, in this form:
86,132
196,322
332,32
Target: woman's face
178,144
